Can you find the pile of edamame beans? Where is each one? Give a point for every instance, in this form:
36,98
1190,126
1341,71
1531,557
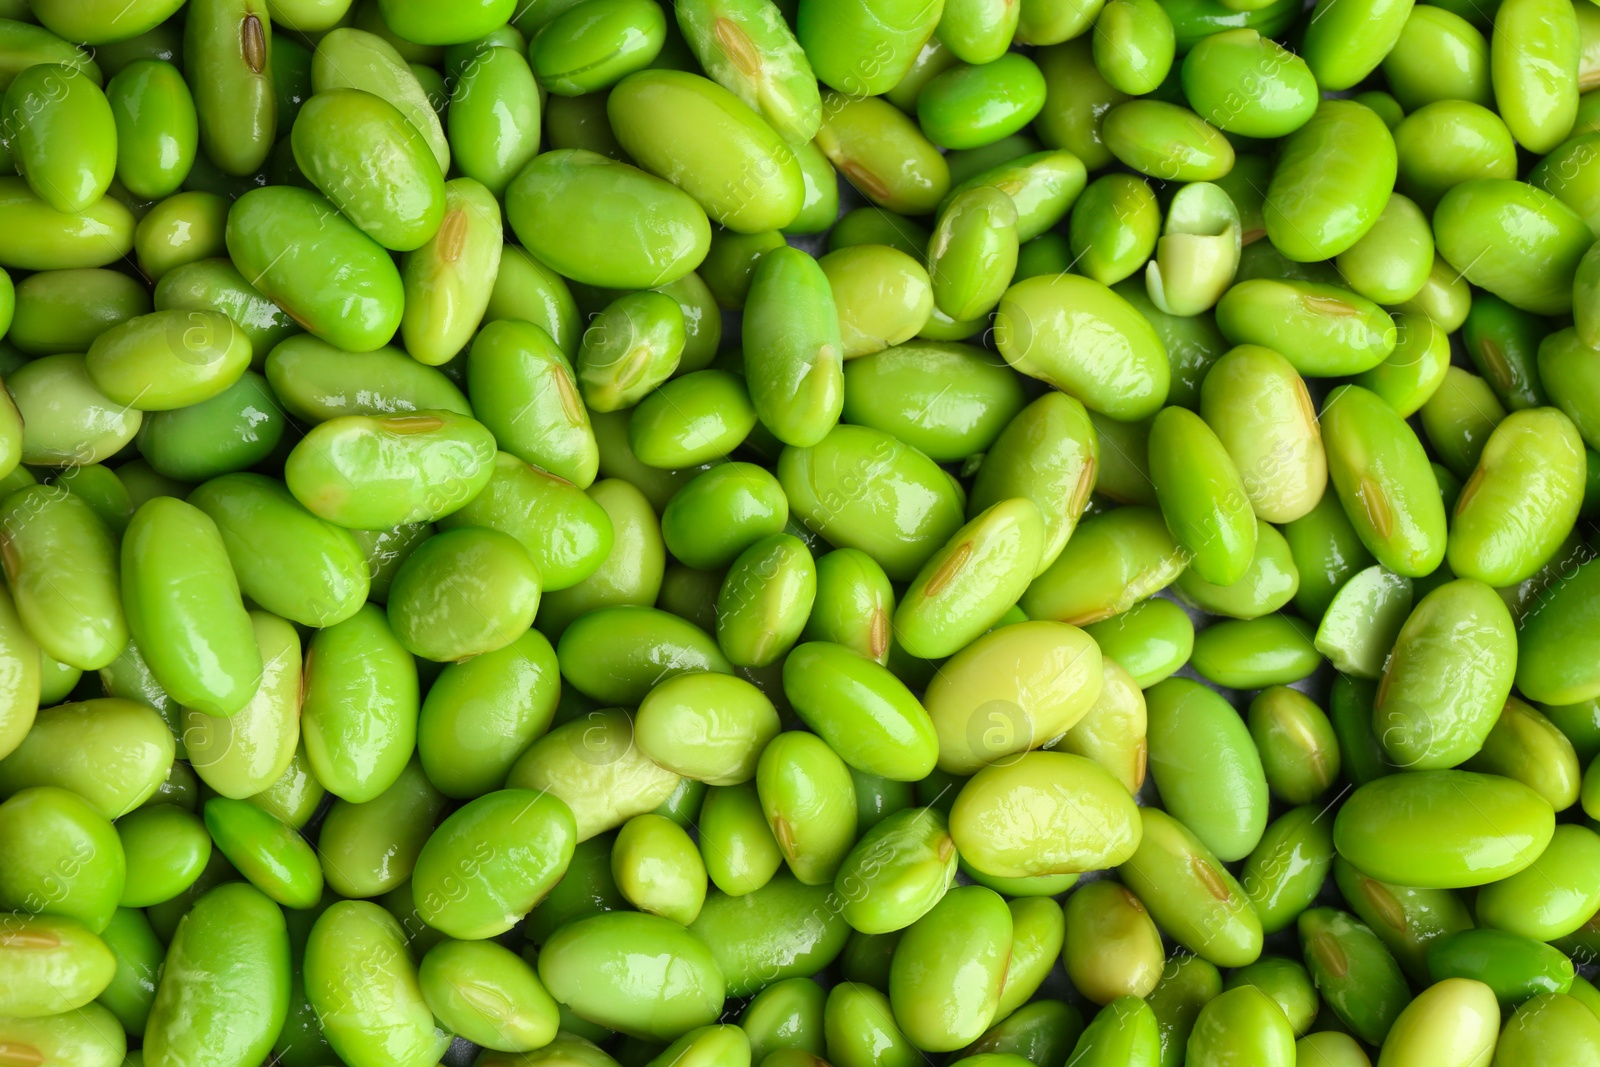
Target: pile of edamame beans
799,533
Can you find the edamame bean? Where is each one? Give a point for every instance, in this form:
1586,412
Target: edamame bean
65,310
168,359
479,715
787,1014
1076,96
1390,262
267,851
572,966
1407,919
22,670
341,286
739,850
1438,56
967,585
940,1006
1452,1023
1414,371
1186,985
630,574
1262,415
1364,620
658,869
1253,653
1376,465
897,872
288,561
1527,746
882,297
66,858
360,706
462,593
216,285
1536,79
558,188
1114,227
1040,1028
1540,451
363,986
991,832
436,461
1041,185
183,608
497,84
1112,731
864,713
1166,141
52,541
369,849
1133,45
1248,84
1549,899
1324,331
227,50
1051,673
1515,967
593,765
61,134
860,1028
694,419
632,347
97,23
1354,973
1113,561
1190,894
1198,253
66,420
580,52
862,488
973,249
1037,931
1285,871
1242,1015
1440,696
763,601
491,861
1443,829
707,726
1113,948
1206,767
782,930
112,752
1202,496
27,44
244,754
1548,1025
487,994
448,279
52,965
1048,453
747,179
971,106
756,57
863,53
1125,1031
1042,326
1515,240
224,989
949,400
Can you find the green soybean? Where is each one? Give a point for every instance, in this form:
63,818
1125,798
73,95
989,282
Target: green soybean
224,988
